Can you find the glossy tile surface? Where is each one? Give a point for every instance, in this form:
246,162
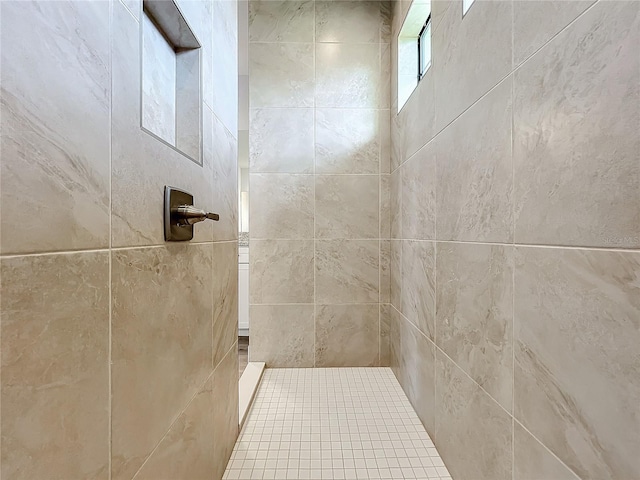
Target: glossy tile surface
281,271
281,21
151,384
282,335
347,206
225,298
532,461
55,354
475,186
348,21
474,298
576,143
576,363
346,271
282,206
418,302
418,193
281,74
347,335
327,409
55,63
467,419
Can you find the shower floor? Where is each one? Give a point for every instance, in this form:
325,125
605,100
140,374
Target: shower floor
337,423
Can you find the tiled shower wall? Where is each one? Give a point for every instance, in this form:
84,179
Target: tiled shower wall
515,270
118,350
319,164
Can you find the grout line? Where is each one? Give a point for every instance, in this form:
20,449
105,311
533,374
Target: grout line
188,404
315,126
110,289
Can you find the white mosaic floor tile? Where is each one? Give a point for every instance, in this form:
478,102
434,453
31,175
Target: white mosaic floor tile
335,423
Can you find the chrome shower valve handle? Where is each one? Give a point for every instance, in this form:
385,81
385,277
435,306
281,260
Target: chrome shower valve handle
188,215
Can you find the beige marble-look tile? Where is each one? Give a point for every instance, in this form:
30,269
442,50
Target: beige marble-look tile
348,75
224,61
224,163
347,140
281,271
225,298
395,274
384,138
55,64
473,433
474,313
385,271
185,451
419,195
282,335
416,120
532,461
134,7
55,371
384,76
348,21
386,14
347,271
225,411
137,211
475,184
281,140
577,366
419,284
281,75
395,319
281,205
281,21
161,349
535,22
470,55
385,335
417,364
576,142
395,204
385,206
347,206
347,335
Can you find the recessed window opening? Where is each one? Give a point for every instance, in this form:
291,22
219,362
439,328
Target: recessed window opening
414,49
466,5
424,48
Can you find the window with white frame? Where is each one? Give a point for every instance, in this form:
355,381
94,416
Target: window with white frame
414,49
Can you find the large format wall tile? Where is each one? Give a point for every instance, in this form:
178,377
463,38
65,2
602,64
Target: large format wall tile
576,142
577,366
475,186
282,335
419,195
417,364
281,21
142,165
185,451
55,366
385,206
55,168
348,75
385,271
224,163
347,335
347,140
473,434
225,298
347,271
395,274
281,75
224,61
347,206
281,140
281,271
535,22
282,206
395,203
532,461
419,284
225,410
385,335
348,21
161,349
474,313
470,55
